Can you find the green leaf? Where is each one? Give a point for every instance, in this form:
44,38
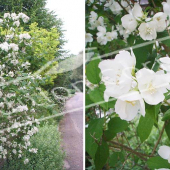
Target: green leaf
146,123
166,115
88,101
93,71
96,96
164,35
115,158
131,40
141,53
157,162
102,155
167,129
115,126
94,129
91,145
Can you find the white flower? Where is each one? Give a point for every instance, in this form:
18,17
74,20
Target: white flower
26,138
26,64
14,16
93,16
147,31
11,74
115,8
3,139
33,150
129,105
88,37
165,63
101,35
111,35
116,74
152,85
24,36
160,20
1,21
14,151
2,105
129,22
137,12
164,152
7,15
14,47
17,23
120,29
94,22
4,46
14,62
26,161
166,7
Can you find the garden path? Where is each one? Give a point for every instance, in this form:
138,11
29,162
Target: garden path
71,128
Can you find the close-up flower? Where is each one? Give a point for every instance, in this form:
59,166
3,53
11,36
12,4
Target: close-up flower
147,31
152,86
117,74
129,105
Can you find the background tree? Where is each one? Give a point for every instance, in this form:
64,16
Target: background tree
38,13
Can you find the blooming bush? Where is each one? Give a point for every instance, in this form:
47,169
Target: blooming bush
17,87
128,83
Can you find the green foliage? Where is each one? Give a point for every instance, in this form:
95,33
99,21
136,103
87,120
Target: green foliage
157,162
49,155
94,130
102,155
115,125
44,48
146,123
93,71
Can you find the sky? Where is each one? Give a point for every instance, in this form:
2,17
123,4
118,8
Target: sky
72,13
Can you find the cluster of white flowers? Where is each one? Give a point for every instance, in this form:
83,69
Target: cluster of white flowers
103,37
95,21
14,17
132,89
147,26
16,125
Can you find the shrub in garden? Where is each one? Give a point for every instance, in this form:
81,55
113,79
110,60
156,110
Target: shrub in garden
17,87
49,155
128,84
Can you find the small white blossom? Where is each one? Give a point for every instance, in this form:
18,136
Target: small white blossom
16,23
88,37
164,152
26,161
165,63
166,7
160,20
129,105
11,74
7,15
147,31
152,86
